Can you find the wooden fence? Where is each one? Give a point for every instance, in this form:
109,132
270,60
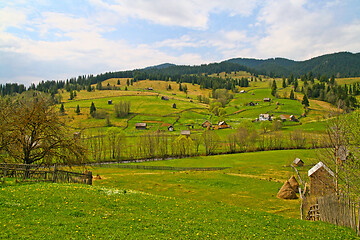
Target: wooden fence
29,172
339,210
164,167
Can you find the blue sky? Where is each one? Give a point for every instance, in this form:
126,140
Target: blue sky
53,40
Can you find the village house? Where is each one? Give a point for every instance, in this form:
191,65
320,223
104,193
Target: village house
109,102
265,117
171,128
242,91
322,180
186,133
222,125
206,124
140,125
251,104
267,99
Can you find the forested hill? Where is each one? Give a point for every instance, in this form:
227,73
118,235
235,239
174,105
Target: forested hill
342,64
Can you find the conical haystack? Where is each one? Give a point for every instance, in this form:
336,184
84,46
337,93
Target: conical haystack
287,192
294,184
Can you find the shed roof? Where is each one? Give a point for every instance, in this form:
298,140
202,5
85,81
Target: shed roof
317,167
297,160
140,124
185,132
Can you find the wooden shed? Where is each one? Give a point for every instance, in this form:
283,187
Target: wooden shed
185,133
109,102
174,105
222,125
298,162
140,125
170,128
267,99
206,124
322,180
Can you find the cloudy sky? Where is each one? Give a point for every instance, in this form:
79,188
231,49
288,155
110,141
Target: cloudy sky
59,39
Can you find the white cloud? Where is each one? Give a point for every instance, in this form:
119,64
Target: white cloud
186,13
11,17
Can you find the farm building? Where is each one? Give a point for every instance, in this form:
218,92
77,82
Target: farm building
221,125
206,124
265,117
242,91
298,162
150,88
109,102
267,99
185,132
322,180
251,104
293,118
140,125
174,105
282,118
170,128
166,98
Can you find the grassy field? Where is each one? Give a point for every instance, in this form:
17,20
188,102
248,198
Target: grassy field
72,211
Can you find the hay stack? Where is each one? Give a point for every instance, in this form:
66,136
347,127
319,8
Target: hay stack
287,192
294,184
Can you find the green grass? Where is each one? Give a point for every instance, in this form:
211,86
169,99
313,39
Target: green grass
252,180
64,211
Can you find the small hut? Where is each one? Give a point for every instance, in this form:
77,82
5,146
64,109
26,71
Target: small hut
287,192
267,99
251,104
170,128
322,180
294,184
186,133
166,98
140,125
109,102
174,105
206,124
298,162
222,125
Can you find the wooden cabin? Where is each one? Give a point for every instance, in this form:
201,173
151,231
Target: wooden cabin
322,180
140,125
298,162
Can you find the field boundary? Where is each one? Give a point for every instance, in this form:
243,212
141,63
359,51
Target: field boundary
165,167
31,172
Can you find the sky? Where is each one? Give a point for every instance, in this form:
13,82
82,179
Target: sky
56,40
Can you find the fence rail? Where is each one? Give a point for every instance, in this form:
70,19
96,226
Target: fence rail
164,167
30,172
339,210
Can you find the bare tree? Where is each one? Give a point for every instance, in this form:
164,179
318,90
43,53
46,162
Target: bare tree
211,140
32,132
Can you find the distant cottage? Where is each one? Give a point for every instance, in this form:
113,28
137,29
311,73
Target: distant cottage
267,99
221,125
170,128
264,117
109,102
174,105
185,133
298,162
140,125
251,104
165,98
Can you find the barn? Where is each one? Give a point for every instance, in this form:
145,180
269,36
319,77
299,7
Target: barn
140,125
322,180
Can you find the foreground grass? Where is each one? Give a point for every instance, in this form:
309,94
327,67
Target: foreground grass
55,211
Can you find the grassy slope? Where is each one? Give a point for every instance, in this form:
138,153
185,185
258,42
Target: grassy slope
252,180
63,211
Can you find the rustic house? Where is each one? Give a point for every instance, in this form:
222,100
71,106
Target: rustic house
186,133
265,117
251,104
267,99
109,102
140,125
166,98
298,162
282,118
242,91
293,118
221,125
322,180
206,124
150,88
170,128
174,105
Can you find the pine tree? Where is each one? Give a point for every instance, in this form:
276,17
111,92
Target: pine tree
89,88
273,88
127,82
305,101
292,95
77,110
62,109
118,82
92,109
169,87
284,82
71,95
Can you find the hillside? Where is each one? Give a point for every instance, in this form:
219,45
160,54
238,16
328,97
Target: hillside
342,64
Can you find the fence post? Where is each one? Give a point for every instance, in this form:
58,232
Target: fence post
54,178
89,178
